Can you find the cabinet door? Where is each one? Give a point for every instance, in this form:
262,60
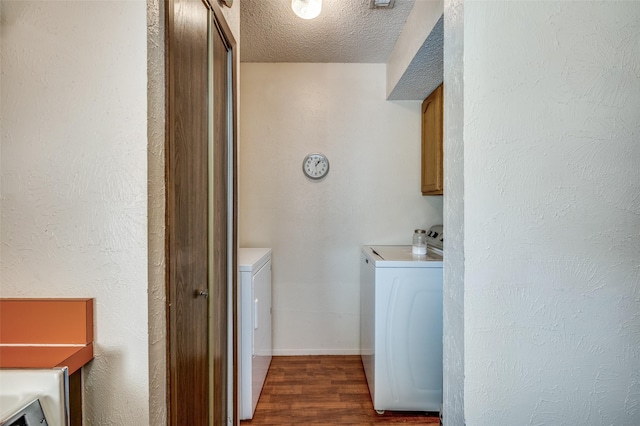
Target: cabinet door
432,180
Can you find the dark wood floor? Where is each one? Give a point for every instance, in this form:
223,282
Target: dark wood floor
322,390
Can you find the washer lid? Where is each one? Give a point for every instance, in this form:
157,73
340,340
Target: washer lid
402,256
251,259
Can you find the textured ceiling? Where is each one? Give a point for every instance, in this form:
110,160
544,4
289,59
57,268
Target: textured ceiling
345,31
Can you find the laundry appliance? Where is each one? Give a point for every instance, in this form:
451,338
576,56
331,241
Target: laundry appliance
33,396
255,344
401,326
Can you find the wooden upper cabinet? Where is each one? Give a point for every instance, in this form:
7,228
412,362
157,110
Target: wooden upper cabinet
432,176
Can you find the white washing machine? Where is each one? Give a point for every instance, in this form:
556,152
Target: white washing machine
401,327
34,396
255,349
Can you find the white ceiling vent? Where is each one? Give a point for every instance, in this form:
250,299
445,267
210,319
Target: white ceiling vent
381,4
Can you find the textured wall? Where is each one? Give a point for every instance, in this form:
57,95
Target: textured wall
423,17
414,68
425,72
74,180
156,209
316,229
453,291
552,213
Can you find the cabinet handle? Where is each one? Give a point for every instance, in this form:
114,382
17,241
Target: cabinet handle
202,293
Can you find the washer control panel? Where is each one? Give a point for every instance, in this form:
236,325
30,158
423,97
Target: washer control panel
435,238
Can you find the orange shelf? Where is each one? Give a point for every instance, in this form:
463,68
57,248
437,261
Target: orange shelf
46,321
72,357
46,333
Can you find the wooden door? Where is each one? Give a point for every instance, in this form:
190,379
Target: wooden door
432,168
201,191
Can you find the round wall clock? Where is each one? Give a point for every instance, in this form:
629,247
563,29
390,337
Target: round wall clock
315,166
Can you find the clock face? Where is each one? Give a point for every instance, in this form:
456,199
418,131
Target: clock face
315,166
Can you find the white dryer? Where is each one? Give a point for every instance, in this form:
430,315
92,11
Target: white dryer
255,349
401,327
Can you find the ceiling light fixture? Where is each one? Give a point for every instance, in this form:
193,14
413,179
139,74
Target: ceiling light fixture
306,9
381,4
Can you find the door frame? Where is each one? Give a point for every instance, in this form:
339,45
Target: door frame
216,18
219,23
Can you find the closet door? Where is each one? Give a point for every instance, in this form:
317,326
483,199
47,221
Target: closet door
187,167
201,224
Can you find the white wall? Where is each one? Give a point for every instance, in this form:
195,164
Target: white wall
414,68
423,17
453,289
74,180
316,229
156,211
552,213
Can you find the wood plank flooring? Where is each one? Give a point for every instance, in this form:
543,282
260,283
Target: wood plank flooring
322,390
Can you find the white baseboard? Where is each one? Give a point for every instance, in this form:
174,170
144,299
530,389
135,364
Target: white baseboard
295,352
